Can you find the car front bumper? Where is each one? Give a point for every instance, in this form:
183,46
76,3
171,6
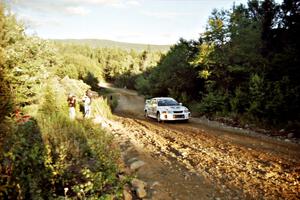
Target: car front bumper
175,116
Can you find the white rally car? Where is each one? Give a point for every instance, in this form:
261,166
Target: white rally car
166,108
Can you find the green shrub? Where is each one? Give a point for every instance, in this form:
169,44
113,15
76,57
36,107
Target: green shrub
257,96
142,85
81,157
239,102
213,103
23,173
51,156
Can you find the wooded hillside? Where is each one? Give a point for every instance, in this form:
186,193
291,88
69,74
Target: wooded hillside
244,66
43,153
96,43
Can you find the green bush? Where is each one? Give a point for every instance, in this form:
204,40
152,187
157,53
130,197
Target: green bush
23,173
142,85
239,102
257,96
53,157
80,157
213,103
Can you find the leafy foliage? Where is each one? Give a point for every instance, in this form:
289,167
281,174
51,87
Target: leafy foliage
245,63
174,75
5,94
246,66
213,103
45,155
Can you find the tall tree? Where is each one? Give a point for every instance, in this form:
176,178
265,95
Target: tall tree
175,75
5,92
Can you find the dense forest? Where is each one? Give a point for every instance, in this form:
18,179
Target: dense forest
245,66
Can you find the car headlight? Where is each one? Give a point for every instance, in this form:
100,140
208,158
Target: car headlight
186,110
170,111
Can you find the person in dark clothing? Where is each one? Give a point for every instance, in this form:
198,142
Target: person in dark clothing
72,104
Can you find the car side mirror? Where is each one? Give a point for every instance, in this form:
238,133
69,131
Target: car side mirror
180,104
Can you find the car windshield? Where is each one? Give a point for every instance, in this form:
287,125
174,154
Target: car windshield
167,102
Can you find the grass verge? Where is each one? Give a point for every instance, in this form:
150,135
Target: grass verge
49,156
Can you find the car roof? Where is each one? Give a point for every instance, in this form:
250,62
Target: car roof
162,98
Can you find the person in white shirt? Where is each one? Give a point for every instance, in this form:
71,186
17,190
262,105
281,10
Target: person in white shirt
87,105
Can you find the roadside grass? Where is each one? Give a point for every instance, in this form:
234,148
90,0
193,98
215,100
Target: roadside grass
50,156
82,157
110,96
101,106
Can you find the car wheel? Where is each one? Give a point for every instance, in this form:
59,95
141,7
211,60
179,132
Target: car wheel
158,117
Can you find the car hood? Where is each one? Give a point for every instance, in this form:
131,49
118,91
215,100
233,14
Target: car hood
173,108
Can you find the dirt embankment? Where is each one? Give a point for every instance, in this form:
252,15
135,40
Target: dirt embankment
199,161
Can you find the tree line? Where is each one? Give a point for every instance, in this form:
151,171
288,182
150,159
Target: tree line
245,66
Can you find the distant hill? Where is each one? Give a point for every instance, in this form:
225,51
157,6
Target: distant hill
113,44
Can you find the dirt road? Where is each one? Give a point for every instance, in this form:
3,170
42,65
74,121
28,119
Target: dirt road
204,160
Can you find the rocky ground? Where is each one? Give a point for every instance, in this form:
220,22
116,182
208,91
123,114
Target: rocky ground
199,160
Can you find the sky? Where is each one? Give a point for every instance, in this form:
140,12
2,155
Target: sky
134,21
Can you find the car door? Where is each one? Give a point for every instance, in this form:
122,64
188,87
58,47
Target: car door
153,107
150,107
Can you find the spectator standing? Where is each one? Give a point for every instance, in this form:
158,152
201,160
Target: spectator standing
72,103
87,104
